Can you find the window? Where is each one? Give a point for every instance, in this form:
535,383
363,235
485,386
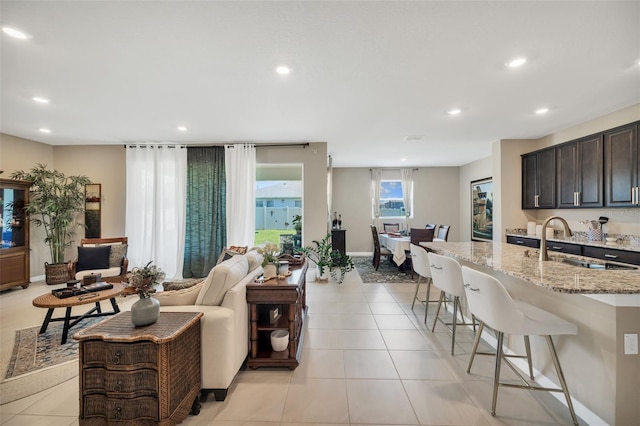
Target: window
391,199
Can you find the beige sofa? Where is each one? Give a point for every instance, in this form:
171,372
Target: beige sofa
221,297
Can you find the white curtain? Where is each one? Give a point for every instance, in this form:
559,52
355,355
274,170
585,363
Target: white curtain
329,192
406,176
376,178
156,205
240,170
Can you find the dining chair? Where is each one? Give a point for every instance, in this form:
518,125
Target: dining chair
490,302
391,227
443,232
377,250
431,226
446,274
421,266
417,236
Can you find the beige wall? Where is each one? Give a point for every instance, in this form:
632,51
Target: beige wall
433,201
469,172
104,164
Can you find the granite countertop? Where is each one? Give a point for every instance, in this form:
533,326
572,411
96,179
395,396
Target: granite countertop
523,263
627,244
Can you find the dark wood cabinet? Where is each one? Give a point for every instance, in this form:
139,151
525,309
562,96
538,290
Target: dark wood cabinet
14,226
579,176
551,245
539,179
522,241
339,240
614,255
622,167
277,304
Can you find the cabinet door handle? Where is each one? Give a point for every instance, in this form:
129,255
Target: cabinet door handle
611,256
536,203
118,414
556,248
118,386
519,242
116,357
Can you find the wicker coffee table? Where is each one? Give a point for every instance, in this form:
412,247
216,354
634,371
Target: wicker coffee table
52,302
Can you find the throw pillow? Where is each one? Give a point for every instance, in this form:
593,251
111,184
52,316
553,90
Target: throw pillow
225,255
93,258
180,284
118,252
239,249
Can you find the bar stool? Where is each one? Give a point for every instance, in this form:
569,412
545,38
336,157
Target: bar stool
491,303
420,262
447,276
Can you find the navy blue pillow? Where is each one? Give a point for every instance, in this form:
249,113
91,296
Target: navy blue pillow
93,258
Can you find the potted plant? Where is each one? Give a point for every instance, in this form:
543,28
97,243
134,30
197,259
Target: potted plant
297,223
340,262
320,254
144,281
55,200
270,262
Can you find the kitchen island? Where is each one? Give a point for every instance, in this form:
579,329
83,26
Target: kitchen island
604,304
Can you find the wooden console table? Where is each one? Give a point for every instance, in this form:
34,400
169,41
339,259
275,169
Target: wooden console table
140,375
289,296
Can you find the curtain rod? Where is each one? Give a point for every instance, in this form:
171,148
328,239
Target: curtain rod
270,145
394,168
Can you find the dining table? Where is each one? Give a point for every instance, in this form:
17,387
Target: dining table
399,245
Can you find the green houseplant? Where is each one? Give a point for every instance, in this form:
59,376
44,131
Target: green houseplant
297,223
324,256
55,200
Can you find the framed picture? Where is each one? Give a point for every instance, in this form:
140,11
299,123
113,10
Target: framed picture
92,213
482,210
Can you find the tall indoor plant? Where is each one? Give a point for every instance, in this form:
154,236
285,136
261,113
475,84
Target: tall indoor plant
55,200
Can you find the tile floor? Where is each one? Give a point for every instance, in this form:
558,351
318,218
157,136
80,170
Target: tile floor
367,359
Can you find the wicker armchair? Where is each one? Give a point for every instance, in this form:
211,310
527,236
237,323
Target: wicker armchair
116,268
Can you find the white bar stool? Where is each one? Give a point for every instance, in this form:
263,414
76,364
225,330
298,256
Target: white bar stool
491,303
446,274
420,263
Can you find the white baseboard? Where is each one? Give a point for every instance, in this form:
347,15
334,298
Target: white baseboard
38,278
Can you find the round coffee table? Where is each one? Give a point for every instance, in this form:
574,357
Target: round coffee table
51,302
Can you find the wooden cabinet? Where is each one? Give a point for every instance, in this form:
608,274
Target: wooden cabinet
339,240
551,245
14,225
614,255
140,375
622,167
539,179
579,174
522,241
273,305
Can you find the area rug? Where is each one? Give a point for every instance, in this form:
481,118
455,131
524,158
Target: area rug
39,361
387,272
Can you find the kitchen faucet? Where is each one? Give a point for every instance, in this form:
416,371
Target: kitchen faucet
543,237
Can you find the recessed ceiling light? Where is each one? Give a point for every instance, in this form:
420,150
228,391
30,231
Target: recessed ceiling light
283,69
182,128
43,130
403,159
542,110
40,100
455,111
14,33
517,62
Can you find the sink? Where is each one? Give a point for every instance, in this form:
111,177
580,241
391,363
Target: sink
589,265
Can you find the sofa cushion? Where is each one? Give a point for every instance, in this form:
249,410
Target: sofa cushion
221,278
182,297
93,258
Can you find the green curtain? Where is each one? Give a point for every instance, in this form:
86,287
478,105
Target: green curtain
206,210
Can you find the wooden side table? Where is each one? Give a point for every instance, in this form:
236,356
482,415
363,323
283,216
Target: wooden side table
140,375
289,296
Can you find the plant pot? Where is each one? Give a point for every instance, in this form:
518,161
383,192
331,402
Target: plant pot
56,273
279,340
145,311
269,270
325,273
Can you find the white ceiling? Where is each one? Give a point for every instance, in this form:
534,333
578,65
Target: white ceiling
365,74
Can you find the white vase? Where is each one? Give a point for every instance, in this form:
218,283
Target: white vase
325,273
269,270
145,311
